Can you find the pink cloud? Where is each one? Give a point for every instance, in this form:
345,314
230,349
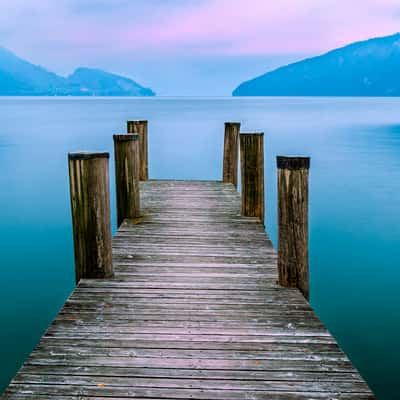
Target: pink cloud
194,27
287,26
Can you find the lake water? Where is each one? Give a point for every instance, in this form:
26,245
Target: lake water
354,204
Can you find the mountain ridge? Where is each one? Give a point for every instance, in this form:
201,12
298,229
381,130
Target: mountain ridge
19,77
363,68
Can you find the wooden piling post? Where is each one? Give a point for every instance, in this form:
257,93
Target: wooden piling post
141,128
126,154
252,173
293,222
91,219
231,152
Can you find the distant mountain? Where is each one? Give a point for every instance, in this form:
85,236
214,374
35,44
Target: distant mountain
369,68
21,78
96,82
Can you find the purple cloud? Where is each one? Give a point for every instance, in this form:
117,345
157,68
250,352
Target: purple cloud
90,29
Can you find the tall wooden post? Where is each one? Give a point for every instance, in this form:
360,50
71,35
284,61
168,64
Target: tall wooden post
91,219
140,127
231,152
293,222
126,153
252,173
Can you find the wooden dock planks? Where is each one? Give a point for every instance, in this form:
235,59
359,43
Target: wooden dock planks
193,312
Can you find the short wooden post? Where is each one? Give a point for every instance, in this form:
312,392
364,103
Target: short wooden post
252,173
126,153
91,220
231,153
141,127
293,222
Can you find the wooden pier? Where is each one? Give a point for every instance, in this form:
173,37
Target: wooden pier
194,309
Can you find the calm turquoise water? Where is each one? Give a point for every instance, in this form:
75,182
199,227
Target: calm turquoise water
354,210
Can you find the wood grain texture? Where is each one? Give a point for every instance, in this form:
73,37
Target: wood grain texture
231,152
194,311
126,154
252,173
91,219
293,264
141,129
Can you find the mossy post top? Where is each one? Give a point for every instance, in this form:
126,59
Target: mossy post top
87,155
126,137
293,162
137,121
251,133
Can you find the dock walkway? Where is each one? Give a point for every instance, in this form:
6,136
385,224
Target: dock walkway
194,311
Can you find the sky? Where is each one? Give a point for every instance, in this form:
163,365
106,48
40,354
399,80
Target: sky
160,43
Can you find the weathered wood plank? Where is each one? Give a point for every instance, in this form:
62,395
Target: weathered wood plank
94,371
209,384
133,391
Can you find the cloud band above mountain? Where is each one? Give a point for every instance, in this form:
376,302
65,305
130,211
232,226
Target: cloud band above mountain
93,27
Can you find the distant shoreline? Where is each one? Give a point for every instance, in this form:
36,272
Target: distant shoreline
171,97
